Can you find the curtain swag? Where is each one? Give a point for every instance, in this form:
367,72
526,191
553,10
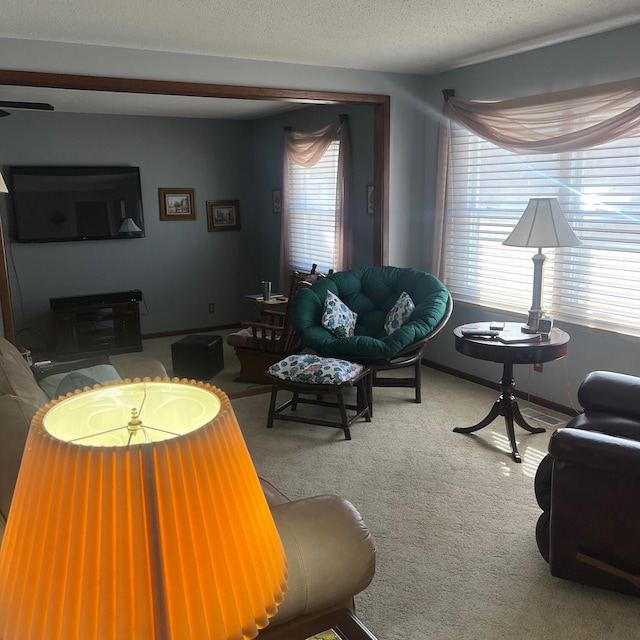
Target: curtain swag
307,148
561,121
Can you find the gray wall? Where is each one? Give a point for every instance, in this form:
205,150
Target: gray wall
415,105
406,91
239,272
589,61
178,265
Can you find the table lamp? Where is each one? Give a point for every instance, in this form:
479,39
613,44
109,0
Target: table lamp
138,514
542,225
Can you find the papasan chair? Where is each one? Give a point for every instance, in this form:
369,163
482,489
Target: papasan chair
382,317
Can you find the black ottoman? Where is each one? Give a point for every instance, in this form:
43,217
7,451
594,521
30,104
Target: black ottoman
197,357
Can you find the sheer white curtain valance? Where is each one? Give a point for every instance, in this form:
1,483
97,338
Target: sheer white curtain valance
308,148
555,122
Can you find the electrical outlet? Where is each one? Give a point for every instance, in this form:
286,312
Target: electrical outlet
212,307
537,367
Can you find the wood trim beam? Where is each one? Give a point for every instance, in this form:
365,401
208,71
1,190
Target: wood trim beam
381,143
168,87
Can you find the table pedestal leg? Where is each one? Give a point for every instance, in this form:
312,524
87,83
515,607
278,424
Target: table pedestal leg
506,406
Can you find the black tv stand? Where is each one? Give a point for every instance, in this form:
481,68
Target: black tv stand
97,323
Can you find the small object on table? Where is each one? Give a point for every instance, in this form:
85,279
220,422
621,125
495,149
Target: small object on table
511,347
516,337
479,333
545,325
266,290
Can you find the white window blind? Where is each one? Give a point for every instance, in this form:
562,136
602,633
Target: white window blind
595,284
312,218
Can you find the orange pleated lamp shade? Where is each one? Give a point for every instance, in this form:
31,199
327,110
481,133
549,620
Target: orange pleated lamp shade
140,525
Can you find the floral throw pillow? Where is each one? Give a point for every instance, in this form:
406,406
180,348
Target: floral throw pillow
337,318
312,369
400,313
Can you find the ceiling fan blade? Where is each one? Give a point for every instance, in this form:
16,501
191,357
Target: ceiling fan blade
41,106
4,113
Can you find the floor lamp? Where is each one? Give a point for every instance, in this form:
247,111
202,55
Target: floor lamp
5,293
542,225
138,514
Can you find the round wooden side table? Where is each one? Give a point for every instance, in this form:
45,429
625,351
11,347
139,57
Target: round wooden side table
529,351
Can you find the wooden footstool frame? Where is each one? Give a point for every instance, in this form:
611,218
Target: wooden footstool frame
362,409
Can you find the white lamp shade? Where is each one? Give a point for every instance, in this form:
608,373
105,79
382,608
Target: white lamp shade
129,226
542,225
3,186
168,410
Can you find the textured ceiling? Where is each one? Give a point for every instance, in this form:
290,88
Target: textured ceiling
405,36
410,36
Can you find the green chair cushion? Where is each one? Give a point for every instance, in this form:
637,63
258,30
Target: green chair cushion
371,292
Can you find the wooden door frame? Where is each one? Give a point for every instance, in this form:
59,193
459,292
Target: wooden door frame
381,138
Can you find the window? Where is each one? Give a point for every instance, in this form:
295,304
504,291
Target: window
315,217
312,199
595,284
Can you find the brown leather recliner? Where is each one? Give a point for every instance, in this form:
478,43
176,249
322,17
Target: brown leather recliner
589,488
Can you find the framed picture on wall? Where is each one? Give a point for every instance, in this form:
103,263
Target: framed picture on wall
223,215
276,200
177,204
370,200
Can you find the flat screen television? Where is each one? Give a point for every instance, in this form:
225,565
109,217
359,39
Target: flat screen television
58,204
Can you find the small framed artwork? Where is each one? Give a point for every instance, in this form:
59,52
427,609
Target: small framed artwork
370,200
177,204
223,215
276,201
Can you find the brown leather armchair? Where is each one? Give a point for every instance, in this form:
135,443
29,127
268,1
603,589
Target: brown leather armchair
330,553
589,487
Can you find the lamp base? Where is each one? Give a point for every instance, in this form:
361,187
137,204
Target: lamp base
525,328
533,321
